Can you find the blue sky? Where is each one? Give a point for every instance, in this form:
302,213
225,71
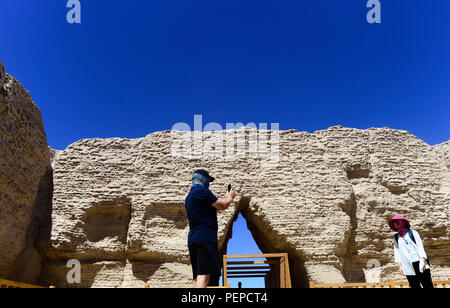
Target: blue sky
135,67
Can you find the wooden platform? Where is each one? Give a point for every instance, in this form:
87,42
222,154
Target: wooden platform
388,284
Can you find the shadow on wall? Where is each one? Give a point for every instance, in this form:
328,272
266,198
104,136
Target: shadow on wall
28,265
175,213
94,274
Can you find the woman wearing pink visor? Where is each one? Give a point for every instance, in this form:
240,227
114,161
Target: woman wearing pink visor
410,254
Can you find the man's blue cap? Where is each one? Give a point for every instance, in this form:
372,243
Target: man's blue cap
205,174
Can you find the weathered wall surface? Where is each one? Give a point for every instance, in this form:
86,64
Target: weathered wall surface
23,164
118,204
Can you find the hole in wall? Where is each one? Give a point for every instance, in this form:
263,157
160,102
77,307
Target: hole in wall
243,243
358,174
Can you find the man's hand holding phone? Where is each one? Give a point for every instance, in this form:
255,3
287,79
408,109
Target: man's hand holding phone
223,204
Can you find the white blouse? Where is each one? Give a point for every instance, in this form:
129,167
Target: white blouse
402,253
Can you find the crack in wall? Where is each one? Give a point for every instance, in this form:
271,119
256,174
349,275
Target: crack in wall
348,249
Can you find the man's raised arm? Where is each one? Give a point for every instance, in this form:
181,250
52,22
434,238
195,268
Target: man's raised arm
223,204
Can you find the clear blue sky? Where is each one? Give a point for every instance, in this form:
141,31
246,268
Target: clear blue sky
134,67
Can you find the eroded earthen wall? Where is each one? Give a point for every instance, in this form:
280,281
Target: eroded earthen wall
326,202
24,160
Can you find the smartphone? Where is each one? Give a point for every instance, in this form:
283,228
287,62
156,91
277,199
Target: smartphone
229,187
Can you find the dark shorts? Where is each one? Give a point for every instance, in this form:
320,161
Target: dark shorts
204,259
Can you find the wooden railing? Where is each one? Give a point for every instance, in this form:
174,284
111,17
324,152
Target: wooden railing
6,284
388,284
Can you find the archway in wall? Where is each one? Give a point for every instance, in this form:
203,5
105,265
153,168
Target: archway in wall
241,243
267,241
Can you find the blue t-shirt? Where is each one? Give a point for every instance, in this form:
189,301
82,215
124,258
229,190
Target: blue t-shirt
202,215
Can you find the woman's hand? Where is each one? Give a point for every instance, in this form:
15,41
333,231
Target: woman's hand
424,265
401,269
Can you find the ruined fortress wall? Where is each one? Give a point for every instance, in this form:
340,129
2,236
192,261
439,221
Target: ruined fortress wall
118,204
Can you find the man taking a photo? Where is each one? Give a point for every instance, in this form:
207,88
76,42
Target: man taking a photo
201,207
